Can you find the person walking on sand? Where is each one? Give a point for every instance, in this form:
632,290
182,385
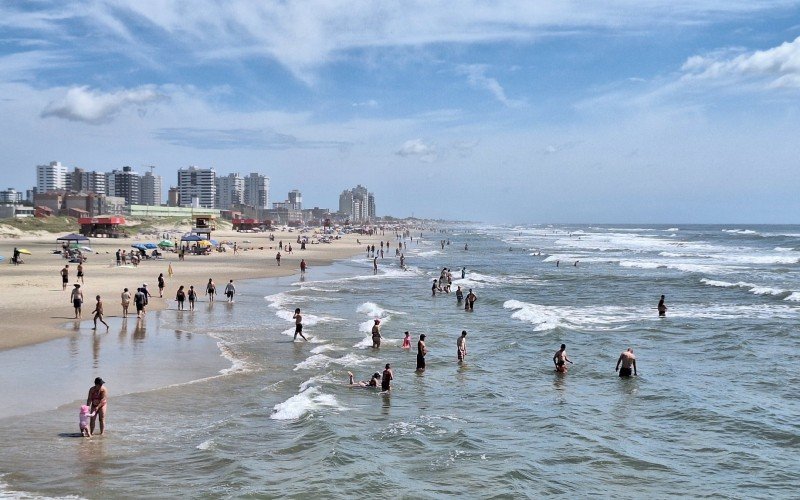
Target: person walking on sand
560,359
422,351
180,297
278,259
64,277
662,307
161,284
211,290
126,301
98,313
97,401
230,291
80,273
298,324
376,334
76,297
470,302
628,361
192,296
461,345
386,378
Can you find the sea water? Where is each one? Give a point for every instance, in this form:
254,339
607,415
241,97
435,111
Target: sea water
714,410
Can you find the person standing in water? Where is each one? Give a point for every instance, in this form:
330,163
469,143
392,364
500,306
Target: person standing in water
386,378
98,313
461,345
374,265
192,296
125,301
662,308
230,291
471,298
278,259
298,324
459,294
422,351
407,341
463,272
376,334
628,361
302,266
97,400
434,287
560,359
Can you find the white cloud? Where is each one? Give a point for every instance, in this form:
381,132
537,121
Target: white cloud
778,66
371,103
417,148
476,76
81,104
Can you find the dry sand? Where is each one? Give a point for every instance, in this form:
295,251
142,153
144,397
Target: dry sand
35,309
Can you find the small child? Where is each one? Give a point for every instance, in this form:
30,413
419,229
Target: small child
83,419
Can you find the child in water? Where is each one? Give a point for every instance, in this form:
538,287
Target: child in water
407,341
83,420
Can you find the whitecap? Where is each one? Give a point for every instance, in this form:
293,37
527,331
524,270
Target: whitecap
304,402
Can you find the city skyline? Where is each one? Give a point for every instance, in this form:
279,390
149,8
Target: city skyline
656,111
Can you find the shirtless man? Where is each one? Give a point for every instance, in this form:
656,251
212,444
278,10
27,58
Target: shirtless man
98,313
461,345
298,324
628,360
421,352
64,277
376,334
76,297
471,298
97,400
662,308
560,359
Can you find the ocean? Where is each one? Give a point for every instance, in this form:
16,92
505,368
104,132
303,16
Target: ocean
221,403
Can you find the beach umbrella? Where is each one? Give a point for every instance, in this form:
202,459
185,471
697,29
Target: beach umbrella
214,242
24,251
191,237
139,246
166,244
87,249
150,246
73,237
204,243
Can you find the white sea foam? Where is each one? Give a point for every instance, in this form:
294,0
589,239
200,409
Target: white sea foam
208,443
427,253
6,492
753,288
672,230
739,231
548,317
298,405
794,297
320,361
326,348
783,249
238,365
308,319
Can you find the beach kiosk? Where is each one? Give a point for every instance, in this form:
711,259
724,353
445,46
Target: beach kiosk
246,225
102,227
203,225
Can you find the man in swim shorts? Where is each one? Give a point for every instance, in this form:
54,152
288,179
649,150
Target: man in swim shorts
662,308
64,277
298,324
461,345
560,359
386,378
97,400
76,297
628,361
421,352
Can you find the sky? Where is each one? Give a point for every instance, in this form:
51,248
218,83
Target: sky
504,111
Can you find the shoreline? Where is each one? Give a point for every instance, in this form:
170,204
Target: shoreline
40,311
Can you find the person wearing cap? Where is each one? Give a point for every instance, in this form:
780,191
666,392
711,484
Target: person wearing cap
76,297
376,334
97,400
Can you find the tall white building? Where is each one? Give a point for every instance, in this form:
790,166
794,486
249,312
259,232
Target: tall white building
197,187
256,191
152,190
126,184
295,199
51,177
358,204
10,196
87,182
230,191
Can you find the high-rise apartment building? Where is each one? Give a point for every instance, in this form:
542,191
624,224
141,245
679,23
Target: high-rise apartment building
256,191
10,196
126,184
152,193
87,182
295,199
230,191
358,204
197,187
51,177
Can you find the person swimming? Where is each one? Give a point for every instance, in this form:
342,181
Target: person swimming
373,382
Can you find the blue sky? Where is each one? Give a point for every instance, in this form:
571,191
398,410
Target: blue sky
503,111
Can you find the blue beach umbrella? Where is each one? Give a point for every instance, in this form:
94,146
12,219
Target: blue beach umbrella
150,246
191,237
139,246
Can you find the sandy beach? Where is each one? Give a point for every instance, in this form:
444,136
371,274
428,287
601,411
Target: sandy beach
37,309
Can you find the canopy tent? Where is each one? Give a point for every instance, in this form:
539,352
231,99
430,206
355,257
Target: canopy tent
73,237
191,237
166,244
